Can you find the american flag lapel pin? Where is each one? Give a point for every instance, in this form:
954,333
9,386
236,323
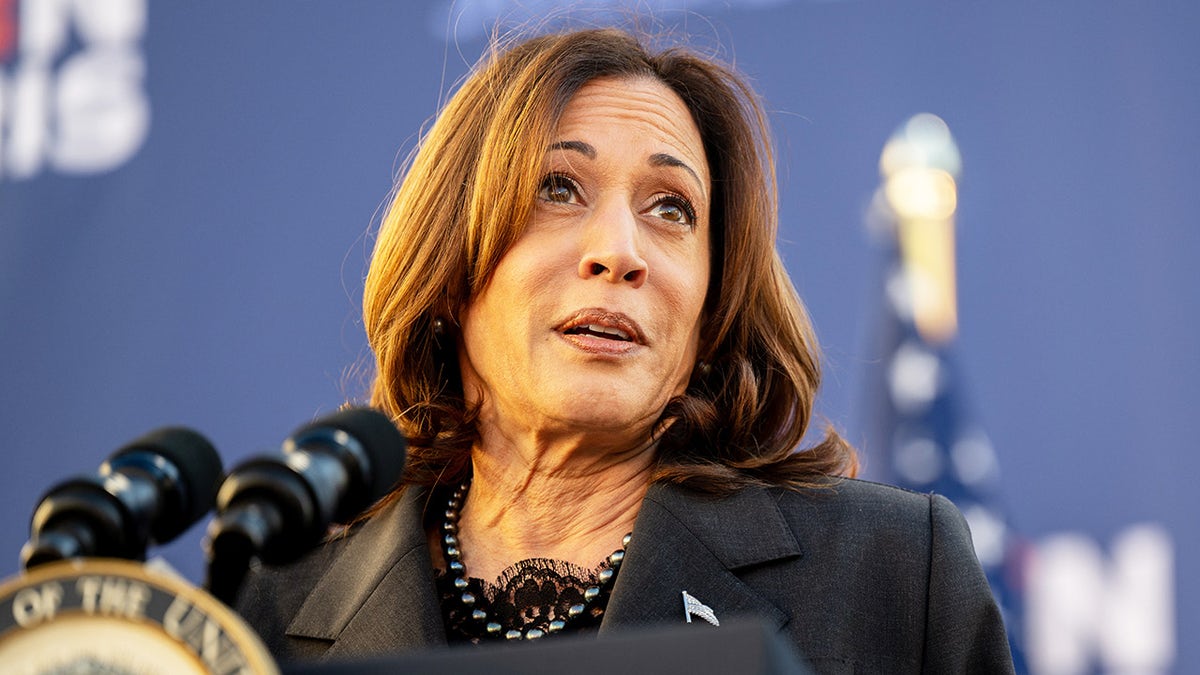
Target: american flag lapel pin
693,607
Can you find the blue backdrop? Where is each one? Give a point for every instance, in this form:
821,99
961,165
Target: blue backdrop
186,192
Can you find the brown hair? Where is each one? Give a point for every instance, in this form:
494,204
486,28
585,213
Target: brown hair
469,193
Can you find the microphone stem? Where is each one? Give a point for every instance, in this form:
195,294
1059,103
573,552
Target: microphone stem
236,538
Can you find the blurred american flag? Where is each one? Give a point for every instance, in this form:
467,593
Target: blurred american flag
923,434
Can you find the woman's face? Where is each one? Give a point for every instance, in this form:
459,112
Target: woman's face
592,319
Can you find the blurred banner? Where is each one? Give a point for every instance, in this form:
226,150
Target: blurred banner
188,193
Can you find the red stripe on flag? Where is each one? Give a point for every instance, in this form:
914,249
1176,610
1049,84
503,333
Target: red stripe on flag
8,29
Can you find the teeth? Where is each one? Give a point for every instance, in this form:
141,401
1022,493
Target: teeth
617,332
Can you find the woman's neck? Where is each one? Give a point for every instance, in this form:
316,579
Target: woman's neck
550,500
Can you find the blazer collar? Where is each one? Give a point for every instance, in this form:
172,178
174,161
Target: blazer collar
685,541
378,593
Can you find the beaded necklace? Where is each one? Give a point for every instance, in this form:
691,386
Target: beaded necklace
594,597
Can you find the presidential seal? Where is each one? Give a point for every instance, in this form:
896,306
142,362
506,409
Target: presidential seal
120,618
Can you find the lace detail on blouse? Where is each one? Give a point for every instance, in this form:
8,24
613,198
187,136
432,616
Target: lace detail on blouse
528,594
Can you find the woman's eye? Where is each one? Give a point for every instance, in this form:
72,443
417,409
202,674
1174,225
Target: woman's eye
558,189
674,209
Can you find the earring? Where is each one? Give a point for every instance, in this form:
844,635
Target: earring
439,328
704,368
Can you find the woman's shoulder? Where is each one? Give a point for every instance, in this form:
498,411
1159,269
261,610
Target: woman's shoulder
849,511
856,494
862,492
875,510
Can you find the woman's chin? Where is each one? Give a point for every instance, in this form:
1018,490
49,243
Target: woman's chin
608,409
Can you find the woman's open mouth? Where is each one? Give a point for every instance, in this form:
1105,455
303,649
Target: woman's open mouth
600,331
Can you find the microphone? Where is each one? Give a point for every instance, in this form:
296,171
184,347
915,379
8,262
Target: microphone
275,508
149,491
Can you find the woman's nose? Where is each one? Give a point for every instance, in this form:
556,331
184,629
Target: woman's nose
611,248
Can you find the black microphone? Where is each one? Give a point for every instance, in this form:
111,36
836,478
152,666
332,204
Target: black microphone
275,508
149,491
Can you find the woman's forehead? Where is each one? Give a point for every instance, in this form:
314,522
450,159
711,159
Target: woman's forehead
610,111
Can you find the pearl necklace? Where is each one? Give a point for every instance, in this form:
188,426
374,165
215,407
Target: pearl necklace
455,567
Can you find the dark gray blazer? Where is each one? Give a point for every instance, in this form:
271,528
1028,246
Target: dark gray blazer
861,577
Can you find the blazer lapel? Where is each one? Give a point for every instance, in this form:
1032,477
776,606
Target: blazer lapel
683,541
378,594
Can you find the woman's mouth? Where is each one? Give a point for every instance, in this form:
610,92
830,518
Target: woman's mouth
601,331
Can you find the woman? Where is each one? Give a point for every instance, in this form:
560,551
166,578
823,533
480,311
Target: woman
581,323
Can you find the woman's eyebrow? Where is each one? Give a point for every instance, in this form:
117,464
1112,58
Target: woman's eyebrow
578,146
657,159
663,159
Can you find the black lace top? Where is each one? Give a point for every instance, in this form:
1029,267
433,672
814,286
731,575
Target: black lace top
529,594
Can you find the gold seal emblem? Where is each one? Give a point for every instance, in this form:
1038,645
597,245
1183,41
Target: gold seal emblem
121,618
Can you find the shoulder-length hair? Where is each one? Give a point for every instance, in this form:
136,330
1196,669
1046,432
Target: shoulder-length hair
467,196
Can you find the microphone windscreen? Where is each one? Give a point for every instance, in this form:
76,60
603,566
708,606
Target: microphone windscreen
381,441
194,458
